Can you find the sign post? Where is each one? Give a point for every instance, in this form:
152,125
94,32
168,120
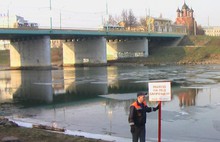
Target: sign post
159,122
159,91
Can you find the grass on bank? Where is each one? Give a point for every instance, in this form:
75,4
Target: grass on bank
205,48
38,135
193,49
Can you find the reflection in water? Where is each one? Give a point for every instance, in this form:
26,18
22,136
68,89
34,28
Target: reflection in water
72,84
126,86
36,86
5,89
27,86
79,83
70,97
9,82
187,97
84,83
120,82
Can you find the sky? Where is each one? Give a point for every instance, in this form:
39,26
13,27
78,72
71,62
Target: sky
91,13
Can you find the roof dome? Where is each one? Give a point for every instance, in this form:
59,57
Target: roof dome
185,6
178,10
191,10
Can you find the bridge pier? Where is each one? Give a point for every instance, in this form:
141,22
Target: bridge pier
117,49
30,53
85,51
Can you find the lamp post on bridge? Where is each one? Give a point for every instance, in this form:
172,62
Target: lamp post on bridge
50,16
8,14
107,16
60,19
8,17
61,16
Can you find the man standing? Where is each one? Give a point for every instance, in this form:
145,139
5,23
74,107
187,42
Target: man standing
137,117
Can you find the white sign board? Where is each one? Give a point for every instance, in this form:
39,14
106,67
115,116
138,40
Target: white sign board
159,91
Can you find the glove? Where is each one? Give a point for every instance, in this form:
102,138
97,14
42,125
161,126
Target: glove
132,128
156,108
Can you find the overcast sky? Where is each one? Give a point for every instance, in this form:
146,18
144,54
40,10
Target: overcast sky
90,13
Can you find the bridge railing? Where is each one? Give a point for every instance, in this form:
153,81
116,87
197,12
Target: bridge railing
83,31
95,29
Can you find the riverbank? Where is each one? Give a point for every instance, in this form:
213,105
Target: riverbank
11,132
191,50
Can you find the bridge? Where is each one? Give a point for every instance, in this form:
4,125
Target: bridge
31,47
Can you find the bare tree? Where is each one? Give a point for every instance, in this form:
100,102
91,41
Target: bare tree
114,20
129,19
132,20
124,16
143,23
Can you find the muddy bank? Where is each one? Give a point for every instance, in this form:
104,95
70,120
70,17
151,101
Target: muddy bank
11,132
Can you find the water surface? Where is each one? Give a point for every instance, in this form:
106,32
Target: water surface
97,99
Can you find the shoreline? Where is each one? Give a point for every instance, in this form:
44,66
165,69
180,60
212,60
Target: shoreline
81,134
119,63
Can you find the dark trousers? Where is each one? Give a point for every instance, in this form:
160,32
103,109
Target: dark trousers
139,133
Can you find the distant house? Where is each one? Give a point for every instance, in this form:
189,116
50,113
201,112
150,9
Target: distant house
15,21
163,25
56,43
158,24
4,44
212,31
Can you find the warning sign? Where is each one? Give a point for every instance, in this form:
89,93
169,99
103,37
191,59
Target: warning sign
159,91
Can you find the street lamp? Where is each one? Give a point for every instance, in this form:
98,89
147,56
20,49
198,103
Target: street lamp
60,19
107,15
8,14
8,17
50,16
61,16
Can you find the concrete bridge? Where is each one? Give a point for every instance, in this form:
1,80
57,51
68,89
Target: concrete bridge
31,47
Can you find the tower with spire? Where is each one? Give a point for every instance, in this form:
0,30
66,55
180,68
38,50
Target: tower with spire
185,17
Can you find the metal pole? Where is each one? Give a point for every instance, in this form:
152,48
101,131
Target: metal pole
60,20
107,16
159,122
8,17
149,22
194,23
50,16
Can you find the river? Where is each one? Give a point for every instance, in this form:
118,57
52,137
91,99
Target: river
95,101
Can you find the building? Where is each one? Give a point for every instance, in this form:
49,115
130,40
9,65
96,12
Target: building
163,25
15,21
158,24
56,43
185,17
4,44
212,31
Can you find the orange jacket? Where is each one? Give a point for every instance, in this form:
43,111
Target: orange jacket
138,112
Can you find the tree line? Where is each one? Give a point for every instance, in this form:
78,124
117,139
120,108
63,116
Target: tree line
127,19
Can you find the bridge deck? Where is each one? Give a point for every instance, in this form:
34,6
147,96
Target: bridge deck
11,33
